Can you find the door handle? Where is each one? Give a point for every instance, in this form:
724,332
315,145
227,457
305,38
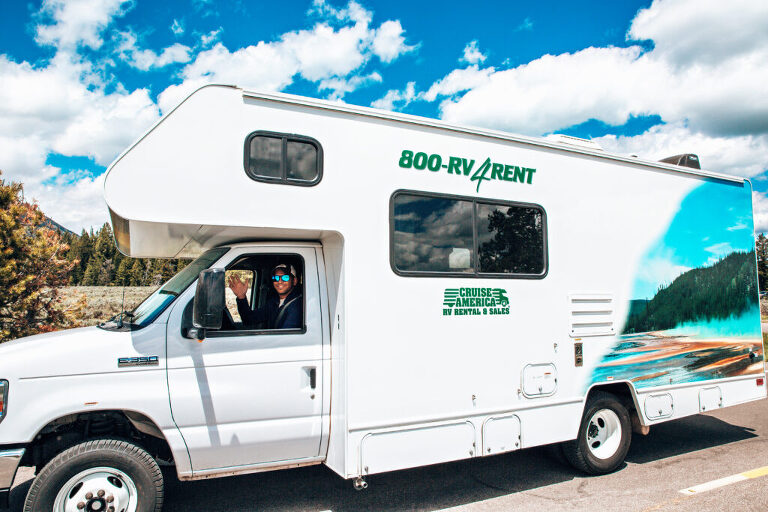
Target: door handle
313,378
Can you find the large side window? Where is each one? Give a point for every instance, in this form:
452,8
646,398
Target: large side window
442,235
283,158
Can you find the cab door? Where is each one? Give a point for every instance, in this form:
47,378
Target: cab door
245,399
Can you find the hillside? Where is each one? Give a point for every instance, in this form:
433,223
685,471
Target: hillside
718,291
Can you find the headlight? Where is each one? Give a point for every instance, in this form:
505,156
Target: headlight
3,398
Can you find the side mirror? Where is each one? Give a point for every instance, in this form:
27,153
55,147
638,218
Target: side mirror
208,307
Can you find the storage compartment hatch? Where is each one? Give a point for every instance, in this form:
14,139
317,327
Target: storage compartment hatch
413,447
539,380
501,434
710,399
658,406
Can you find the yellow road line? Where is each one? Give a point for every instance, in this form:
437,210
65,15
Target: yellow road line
720,482
756,472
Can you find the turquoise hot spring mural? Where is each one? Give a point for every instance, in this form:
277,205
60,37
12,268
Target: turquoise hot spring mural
694,313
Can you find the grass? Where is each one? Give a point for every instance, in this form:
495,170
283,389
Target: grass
103,302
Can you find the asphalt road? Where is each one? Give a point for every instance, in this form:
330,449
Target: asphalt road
674,456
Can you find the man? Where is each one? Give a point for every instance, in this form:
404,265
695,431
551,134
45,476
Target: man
281,311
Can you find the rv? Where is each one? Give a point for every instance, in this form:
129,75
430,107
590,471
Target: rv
455,293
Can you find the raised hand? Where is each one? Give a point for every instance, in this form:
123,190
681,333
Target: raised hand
237,286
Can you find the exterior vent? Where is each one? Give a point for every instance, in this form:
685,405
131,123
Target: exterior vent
591,314
687,160
575,142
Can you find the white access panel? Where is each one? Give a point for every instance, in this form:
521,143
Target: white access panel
658,406
710,398
539,380
501,434
409,448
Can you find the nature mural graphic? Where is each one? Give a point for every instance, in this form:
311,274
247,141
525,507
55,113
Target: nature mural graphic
695,313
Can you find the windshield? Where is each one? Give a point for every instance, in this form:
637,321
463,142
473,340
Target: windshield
146,312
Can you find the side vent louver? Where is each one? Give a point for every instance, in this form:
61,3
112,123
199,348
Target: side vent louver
591,314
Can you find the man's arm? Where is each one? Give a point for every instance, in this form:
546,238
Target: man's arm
249,316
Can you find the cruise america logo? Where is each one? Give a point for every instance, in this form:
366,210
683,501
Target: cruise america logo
487,171
475,301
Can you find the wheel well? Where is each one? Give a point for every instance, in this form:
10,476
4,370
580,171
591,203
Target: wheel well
622,391
72,429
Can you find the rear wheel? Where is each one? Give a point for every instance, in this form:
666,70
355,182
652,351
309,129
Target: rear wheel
98,476
604,436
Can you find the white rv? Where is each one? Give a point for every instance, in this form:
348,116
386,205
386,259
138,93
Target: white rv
456,293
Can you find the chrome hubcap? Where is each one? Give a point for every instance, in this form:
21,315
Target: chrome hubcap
97,490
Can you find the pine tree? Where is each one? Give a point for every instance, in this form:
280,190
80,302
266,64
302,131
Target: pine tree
136,274
32,267
122,275
762,261
92,271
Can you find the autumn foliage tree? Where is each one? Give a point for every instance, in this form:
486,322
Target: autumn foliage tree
32,267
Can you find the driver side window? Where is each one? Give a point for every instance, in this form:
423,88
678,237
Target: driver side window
264,292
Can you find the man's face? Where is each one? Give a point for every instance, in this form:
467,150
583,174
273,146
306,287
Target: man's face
283,287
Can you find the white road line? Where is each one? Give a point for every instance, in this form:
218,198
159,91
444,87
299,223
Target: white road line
720,482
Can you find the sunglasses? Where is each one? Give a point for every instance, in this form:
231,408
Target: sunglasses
284,277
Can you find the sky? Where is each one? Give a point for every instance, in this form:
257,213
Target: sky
80,80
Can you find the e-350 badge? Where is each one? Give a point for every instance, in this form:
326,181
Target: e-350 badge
138,361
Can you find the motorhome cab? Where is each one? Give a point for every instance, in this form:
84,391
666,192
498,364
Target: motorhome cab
445,292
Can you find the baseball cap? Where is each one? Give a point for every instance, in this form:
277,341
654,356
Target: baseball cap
287,269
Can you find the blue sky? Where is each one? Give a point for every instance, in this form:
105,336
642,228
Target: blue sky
81,79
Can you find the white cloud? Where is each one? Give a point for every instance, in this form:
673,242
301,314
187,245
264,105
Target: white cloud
106,125
396,99
760,211
340,86
59,109
558,91
458,80
76,200
146,59
177,27
687,77
389,41
526,24
341,50
72,23
745,155
204,7
352,12
472,54
331,53
703,31
206,40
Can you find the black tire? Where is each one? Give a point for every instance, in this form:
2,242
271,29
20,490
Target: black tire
586,453
129,465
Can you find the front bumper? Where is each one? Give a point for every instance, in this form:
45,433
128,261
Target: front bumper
9,463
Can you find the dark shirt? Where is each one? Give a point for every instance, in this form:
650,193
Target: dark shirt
272,315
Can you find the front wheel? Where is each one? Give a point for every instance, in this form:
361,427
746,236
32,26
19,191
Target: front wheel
105,475
604,436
